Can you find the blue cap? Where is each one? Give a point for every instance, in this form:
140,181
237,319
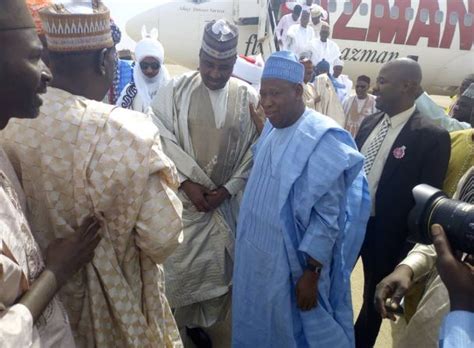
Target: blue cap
283,65
323,65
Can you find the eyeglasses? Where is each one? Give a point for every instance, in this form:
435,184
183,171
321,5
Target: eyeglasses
153,66
360,86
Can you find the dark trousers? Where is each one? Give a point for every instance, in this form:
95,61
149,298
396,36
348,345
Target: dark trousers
376,267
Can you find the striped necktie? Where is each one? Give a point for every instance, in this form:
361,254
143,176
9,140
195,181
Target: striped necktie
375,145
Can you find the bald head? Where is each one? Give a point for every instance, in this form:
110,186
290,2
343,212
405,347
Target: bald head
398,85
406,69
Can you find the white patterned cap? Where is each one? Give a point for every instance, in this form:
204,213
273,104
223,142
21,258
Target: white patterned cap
220,39
77,27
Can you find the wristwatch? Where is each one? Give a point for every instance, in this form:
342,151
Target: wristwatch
314,268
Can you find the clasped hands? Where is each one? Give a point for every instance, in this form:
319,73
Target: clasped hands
204,200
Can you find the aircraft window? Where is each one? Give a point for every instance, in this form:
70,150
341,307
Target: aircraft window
424,15
379,11
409,14
394,12
332,6
348,8
439,16
453,18
364,9
468,19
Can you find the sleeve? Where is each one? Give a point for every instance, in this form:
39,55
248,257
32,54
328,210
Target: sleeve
279,29
237,182
436,114
436,159
159,224
457,330
16,327
322,232
421,259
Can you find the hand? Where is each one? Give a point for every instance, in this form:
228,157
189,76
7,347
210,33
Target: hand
65,256
258,116
197,194
217,197
307,291
392,288
456,275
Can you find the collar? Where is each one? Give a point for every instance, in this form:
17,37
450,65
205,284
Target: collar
400,118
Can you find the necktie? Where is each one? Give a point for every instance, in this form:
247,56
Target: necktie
374,146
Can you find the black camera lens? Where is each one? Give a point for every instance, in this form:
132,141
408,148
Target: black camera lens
433,207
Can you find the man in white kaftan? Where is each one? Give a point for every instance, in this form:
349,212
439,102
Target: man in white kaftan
300,36
325,48
83,158
207,131
285,23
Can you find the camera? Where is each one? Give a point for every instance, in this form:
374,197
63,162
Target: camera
432,206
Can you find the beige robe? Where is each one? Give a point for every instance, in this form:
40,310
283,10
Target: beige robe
354,116
82,158
21,263
199,273
329,104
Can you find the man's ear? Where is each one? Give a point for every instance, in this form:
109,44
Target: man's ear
102,61
299,90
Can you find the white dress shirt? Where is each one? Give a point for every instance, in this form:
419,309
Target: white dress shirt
396,123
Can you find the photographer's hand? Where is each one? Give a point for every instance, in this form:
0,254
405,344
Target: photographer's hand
456,275
393,287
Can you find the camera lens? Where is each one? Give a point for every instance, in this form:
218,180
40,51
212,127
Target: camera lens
457,219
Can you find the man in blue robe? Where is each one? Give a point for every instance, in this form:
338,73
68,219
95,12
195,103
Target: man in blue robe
301,225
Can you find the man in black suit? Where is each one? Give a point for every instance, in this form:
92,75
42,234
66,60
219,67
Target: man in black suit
403,149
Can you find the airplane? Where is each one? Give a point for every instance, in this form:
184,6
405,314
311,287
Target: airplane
440,33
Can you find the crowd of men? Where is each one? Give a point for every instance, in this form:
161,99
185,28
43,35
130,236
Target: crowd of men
187,202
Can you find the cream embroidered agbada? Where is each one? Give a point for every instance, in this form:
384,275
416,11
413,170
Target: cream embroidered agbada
199,273
81,158
21,263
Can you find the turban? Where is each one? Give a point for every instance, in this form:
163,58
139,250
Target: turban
283,65
469,92
220,39
316,11
248,69
77,27
14,15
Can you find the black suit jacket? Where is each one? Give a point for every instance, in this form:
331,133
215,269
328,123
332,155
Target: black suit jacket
427,152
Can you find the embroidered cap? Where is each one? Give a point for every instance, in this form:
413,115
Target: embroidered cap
14,15
35,6
77,27
220,39
283,65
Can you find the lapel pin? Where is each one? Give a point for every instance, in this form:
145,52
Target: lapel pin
399,152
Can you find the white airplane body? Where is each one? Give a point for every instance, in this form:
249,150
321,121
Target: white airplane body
368,32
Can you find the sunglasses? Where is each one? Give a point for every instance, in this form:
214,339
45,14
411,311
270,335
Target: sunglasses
153,66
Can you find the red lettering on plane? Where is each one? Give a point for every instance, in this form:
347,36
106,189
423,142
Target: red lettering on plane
387,29
466,34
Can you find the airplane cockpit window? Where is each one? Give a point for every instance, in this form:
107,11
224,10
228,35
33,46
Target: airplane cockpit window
439,16
424,15
468,19
348,9
453,18
394,12
332,6
364,9
409,14
379,10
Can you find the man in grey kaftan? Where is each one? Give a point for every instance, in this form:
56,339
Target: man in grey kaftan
207,130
